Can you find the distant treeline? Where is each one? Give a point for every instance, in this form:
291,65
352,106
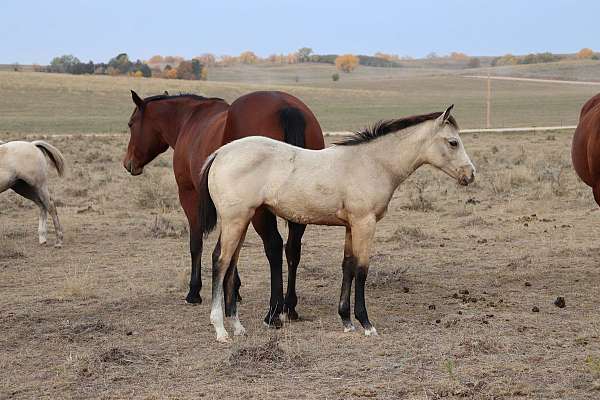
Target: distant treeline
122,65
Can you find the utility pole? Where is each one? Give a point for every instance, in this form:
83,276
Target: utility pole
488,123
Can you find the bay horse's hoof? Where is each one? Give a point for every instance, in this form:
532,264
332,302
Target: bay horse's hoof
290,315
58,245
193,299
273,322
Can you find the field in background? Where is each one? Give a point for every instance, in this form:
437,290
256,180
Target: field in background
53,103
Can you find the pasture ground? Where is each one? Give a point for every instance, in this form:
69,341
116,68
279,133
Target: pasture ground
454,277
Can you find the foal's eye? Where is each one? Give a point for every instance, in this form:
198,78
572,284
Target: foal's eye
453,142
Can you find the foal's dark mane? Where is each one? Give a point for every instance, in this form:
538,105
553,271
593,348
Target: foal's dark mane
180,95
384,127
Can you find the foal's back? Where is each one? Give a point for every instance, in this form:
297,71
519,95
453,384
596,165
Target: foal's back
281,176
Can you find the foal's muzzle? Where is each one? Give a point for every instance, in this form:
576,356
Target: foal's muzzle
466,175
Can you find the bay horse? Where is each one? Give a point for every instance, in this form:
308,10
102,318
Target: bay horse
195,126
585,149
24,169
348,185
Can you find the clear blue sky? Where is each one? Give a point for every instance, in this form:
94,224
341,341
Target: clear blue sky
35,31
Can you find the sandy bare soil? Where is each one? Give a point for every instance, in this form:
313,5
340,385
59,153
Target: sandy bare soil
455,277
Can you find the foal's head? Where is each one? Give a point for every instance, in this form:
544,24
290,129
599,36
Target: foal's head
145,142
445,150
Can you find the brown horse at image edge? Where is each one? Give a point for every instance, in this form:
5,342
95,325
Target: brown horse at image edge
585,151
195,126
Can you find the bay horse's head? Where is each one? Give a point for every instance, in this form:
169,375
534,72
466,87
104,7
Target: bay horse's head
145,142
446,150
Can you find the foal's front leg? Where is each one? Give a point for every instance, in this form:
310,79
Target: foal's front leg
363,232
348,267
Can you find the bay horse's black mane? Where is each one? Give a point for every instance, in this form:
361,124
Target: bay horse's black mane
180,95
384,127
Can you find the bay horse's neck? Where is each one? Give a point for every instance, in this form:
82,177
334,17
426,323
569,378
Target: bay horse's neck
396,154
170,116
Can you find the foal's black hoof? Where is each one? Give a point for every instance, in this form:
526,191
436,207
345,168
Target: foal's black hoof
193,299
273,322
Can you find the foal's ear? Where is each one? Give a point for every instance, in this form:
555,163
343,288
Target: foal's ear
139,102
444,117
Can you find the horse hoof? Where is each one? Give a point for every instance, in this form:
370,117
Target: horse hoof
349,328
58,246
43,243
239,331
290,315
273,322
193,299
371,331
224,339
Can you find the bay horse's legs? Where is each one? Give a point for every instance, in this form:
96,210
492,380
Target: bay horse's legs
231,289
231,232
189,202
265,224
348,268
293,248
363,232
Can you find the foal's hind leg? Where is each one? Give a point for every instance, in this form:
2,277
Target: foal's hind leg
293,248
265,224
231,232
231,287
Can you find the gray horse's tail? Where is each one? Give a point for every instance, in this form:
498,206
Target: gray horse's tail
207,212
53,155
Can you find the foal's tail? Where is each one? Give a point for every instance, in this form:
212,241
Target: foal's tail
207,213
53,155
293,123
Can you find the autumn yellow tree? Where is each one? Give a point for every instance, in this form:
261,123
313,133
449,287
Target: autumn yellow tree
585,53
292,58
346,62
157,59
458,56
248,57
226,60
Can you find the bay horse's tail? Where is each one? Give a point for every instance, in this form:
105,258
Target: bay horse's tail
53,155
293,123
207,214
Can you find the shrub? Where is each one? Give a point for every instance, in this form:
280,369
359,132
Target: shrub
335,77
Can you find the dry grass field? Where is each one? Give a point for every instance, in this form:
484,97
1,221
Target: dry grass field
59,103
455,276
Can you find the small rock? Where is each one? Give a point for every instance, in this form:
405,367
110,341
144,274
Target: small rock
437,321
405,289
129,333
455,296
432,306
459,312
527,284
463,291
535,309
560,302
